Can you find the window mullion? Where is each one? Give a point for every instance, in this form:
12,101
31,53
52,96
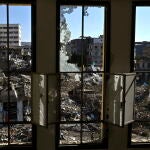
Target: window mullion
8,74
82,69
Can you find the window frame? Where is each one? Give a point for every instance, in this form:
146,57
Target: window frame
132,65
32,3
106,62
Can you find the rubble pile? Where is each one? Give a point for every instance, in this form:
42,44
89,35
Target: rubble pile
70,108
142,106
72,95
3,135
19,108
19,134
71,133
15,93
141,131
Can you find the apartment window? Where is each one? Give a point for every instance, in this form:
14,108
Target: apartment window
81,83
15,79
140,130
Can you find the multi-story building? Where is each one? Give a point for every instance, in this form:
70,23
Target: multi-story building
19,97
142,55
91,47
14,34
142,58
94,52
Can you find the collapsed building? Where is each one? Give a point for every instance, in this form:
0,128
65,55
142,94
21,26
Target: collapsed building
17,100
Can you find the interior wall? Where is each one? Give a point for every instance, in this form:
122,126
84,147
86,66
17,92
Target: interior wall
120,54
46,48
121,17
46,36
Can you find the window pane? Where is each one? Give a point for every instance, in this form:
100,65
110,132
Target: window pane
92,96
70,97
140,132
3,31
3,16
70,41
20,94
21,134
3,39
142,98
3,66
142,44
20,37
142,56
92,133
3,98
3,134
94,35
70,133
3,60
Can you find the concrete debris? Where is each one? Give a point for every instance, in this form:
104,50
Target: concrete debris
73,97
19,134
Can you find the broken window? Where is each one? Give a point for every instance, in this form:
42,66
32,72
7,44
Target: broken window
81,28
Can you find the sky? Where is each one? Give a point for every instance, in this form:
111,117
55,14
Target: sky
142,30
93,23
18,15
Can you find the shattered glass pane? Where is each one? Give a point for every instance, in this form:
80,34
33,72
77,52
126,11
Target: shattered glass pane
20,93
92,133
70,97
21,134
70,133
70,40
140,132
92,96
93,38
3,134
142,97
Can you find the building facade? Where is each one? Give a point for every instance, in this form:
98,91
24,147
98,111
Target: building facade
92,49
14,34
